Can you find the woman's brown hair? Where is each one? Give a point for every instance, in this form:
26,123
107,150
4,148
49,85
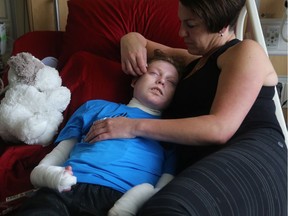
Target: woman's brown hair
216,14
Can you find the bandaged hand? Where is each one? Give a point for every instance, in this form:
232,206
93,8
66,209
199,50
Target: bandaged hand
54,177
50,174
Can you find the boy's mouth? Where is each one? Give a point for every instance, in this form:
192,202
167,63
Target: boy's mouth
157,90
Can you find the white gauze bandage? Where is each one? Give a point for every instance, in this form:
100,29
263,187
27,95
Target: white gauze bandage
130,203
49,173
164,180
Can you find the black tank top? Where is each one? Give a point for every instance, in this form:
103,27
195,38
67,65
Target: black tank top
195,94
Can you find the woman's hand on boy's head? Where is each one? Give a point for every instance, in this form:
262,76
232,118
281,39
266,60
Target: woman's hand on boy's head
134,65
133,55
110,128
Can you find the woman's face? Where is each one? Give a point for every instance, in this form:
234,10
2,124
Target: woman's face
194,32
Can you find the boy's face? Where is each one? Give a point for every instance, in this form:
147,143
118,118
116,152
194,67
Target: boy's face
156,88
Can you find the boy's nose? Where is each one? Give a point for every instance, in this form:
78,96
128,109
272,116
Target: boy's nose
160,81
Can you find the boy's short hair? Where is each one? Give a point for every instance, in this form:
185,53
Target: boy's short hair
176,61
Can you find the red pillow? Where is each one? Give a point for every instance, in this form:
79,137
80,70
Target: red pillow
92,77
97,26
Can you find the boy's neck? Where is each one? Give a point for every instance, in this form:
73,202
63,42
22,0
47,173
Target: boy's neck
135,103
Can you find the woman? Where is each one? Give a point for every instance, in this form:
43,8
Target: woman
233,152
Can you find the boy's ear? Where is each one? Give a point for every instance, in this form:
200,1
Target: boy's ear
133,82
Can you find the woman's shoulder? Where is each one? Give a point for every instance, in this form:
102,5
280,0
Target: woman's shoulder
244,49
248,57
247,45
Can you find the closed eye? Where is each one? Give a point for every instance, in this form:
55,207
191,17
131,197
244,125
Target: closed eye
190,24
173,82
153,73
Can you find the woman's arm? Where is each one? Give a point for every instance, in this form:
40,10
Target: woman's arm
135,48
245,68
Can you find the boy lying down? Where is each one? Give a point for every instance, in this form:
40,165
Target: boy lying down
85,177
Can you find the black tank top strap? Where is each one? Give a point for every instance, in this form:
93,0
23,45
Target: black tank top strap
223,48
213,56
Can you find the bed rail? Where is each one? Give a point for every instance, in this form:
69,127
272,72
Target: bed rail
250,14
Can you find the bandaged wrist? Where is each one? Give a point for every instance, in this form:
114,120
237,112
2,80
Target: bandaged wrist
54,177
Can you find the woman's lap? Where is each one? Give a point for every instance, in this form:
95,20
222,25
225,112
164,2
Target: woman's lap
247,177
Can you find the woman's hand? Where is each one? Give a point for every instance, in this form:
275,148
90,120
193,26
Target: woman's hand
133,54
110,128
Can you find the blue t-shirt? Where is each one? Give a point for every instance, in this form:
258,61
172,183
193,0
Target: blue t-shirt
116,163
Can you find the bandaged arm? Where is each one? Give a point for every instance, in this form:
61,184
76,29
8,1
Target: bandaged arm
164,180
130,203
134,199
49,172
